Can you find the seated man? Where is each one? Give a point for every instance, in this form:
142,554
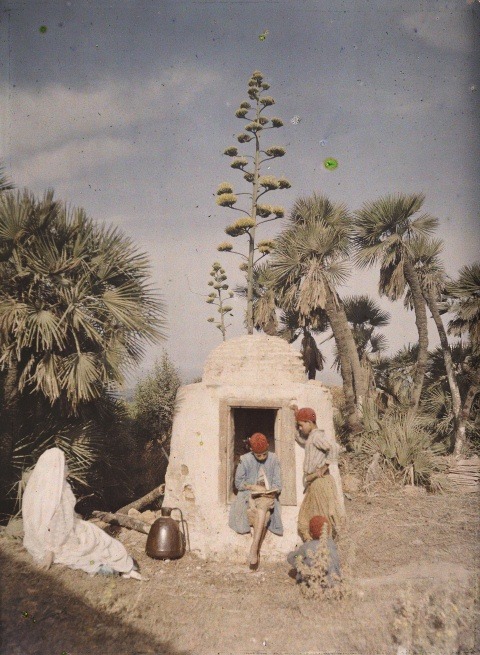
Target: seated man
258,481
309,554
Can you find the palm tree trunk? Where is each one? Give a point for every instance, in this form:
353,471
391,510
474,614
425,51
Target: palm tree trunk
358,372
9,427
419,306
470,397
339,329
458,421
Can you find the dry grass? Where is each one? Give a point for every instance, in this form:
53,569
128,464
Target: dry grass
399,552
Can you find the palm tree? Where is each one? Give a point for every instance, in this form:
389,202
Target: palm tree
464,295
364,316
289,325
432,277
394,375
75,307
384,230
5,184
308,263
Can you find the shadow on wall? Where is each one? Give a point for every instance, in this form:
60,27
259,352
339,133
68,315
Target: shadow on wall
40,616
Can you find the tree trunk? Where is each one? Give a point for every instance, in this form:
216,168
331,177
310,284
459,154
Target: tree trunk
358,372
419,306
339,328
9,427
472,392
458,421
144,500
123,520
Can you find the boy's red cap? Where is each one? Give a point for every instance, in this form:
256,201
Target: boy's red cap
306,414
258,442
316,524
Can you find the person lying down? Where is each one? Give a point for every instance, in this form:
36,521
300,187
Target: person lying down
53,533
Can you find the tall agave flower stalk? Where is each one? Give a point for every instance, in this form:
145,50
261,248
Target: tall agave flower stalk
250,165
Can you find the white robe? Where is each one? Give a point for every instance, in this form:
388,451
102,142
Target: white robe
50,523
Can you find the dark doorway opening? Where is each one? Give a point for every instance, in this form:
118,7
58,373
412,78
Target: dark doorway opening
246,421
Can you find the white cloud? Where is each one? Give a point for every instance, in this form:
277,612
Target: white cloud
58,114
48,168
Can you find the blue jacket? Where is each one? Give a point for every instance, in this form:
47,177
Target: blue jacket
306,552
247,473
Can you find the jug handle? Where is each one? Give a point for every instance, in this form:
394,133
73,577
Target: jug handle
185,532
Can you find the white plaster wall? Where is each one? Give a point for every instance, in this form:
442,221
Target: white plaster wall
192,479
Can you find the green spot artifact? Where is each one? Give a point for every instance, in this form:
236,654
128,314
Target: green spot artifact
330,163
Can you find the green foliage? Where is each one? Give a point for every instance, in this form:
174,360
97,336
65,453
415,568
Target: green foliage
465,299
153,404
97,444
5,184
403,443
75,303
76,309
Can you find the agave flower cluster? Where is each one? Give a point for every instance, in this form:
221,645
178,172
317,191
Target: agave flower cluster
216,297
250,165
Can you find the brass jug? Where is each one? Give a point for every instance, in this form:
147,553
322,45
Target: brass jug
165,539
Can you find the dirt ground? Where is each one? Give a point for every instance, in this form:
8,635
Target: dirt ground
411,564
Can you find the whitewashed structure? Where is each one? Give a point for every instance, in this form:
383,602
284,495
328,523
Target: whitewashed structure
249,385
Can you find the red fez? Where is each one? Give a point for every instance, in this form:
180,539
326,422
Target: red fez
306,414
258,442
316,524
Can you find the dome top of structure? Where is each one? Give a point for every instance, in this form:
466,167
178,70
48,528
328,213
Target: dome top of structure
253,360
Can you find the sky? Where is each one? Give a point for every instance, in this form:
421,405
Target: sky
126,107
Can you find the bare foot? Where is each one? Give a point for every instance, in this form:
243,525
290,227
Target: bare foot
133,574
253,559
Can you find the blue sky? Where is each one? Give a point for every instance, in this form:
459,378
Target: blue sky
126,107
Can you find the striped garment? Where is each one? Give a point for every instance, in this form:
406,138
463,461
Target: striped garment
320,449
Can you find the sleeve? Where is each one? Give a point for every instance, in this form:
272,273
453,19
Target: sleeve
320,441
292,558
277,475
299,439
241,476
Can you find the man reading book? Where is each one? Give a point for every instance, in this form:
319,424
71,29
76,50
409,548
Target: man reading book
258,481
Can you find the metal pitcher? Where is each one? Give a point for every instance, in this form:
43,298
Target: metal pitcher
166,540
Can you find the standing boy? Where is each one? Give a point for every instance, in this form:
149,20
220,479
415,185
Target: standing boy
323,486
258,481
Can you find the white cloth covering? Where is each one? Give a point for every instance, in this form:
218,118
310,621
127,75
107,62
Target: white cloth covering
51,525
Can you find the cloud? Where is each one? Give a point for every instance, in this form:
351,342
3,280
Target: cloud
58,114
77,157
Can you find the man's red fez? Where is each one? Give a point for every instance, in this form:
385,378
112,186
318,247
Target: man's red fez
306,414
258,442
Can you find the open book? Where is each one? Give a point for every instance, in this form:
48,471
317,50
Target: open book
265,492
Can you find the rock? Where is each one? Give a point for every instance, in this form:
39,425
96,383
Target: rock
350,483
374,471
134,513
412,490
148,516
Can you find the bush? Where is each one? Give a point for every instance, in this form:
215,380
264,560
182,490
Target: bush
435,622
405,446
152,412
